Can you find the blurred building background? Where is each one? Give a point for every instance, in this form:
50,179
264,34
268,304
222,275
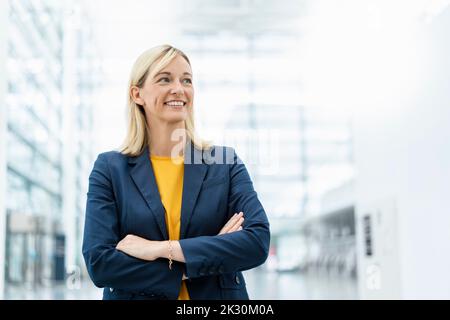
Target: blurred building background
47,119
338,108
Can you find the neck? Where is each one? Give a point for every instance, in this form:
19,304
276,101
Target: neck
166,138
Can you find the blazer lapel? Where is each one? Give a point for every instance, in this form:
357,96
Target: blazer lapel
143,176
194,172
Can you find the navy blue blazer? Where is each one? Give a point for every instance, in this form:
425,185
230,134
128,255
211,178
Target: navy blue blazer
123,199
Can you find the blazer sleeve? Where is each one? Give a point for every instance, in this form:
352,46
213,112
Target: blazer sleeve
237,251
107,266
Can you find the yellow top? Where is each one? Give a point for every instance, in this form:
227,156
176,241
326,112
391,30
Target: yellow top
169,178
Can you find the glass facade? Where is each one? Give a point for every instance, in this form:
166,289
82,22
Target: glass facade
50,80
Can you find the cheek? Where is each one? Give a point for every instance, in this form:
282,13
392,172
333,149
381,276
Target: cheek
152,102
150,105
190,94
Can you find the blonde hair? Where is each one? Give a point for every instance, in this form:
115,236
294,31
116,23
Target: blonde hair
148,64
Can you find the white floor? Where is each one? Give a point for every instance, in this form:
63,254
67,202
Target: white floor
295,286
261,285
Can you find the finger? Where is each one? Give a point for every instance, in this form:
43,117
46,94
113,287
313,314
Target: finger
234,222
230,223
236,219
237,225
240,228
227,225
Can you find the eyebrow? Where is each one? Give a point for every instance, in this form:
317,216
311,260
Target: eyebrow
168,73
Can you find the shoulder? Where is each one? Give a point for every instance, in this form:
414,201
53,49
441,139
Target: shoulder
220,150
111,163
218,154
112,155
111,159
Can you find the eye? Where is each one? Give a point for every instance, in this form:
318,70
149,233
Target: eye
188,80
165,79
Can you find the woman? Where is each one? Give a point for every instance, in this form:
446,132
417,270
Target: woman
167,219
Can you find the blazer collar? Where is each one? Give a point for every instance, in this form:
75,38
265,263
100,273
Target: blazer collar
141,171
194,172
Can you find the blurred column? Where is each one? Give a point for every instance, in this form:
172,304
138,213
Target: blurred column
3,51
81,74
68,120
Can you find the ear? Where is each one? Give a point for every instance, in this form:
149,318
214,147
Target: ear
136,95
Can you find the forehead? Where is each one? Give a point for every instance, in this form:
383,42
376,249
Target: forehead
177,65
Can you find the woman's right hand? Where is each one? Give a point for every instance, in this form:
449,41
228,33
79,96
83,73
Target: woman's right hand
234,224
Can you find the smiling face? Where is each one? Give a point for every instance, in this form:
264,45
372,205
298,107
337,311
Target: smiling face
168,96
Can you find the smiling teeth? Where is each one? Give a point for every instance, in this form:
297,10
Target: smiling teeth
175,103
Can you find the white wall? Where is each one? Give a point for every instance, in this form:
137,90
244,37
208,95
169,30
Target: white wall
402,154
3,127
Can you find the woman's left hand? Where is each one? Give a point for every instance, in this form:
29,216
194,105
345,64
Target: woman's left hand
139,247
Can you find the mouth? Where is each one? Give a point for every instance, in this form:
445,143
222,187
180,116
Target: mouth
177,104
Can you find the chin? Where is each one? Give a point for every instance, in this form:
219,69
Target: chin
176,118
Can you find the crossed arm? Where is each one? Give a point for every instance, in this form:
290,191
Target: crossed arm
135,264
150,250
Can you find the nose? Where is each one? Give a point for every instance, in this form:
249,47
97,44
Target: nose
177,88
